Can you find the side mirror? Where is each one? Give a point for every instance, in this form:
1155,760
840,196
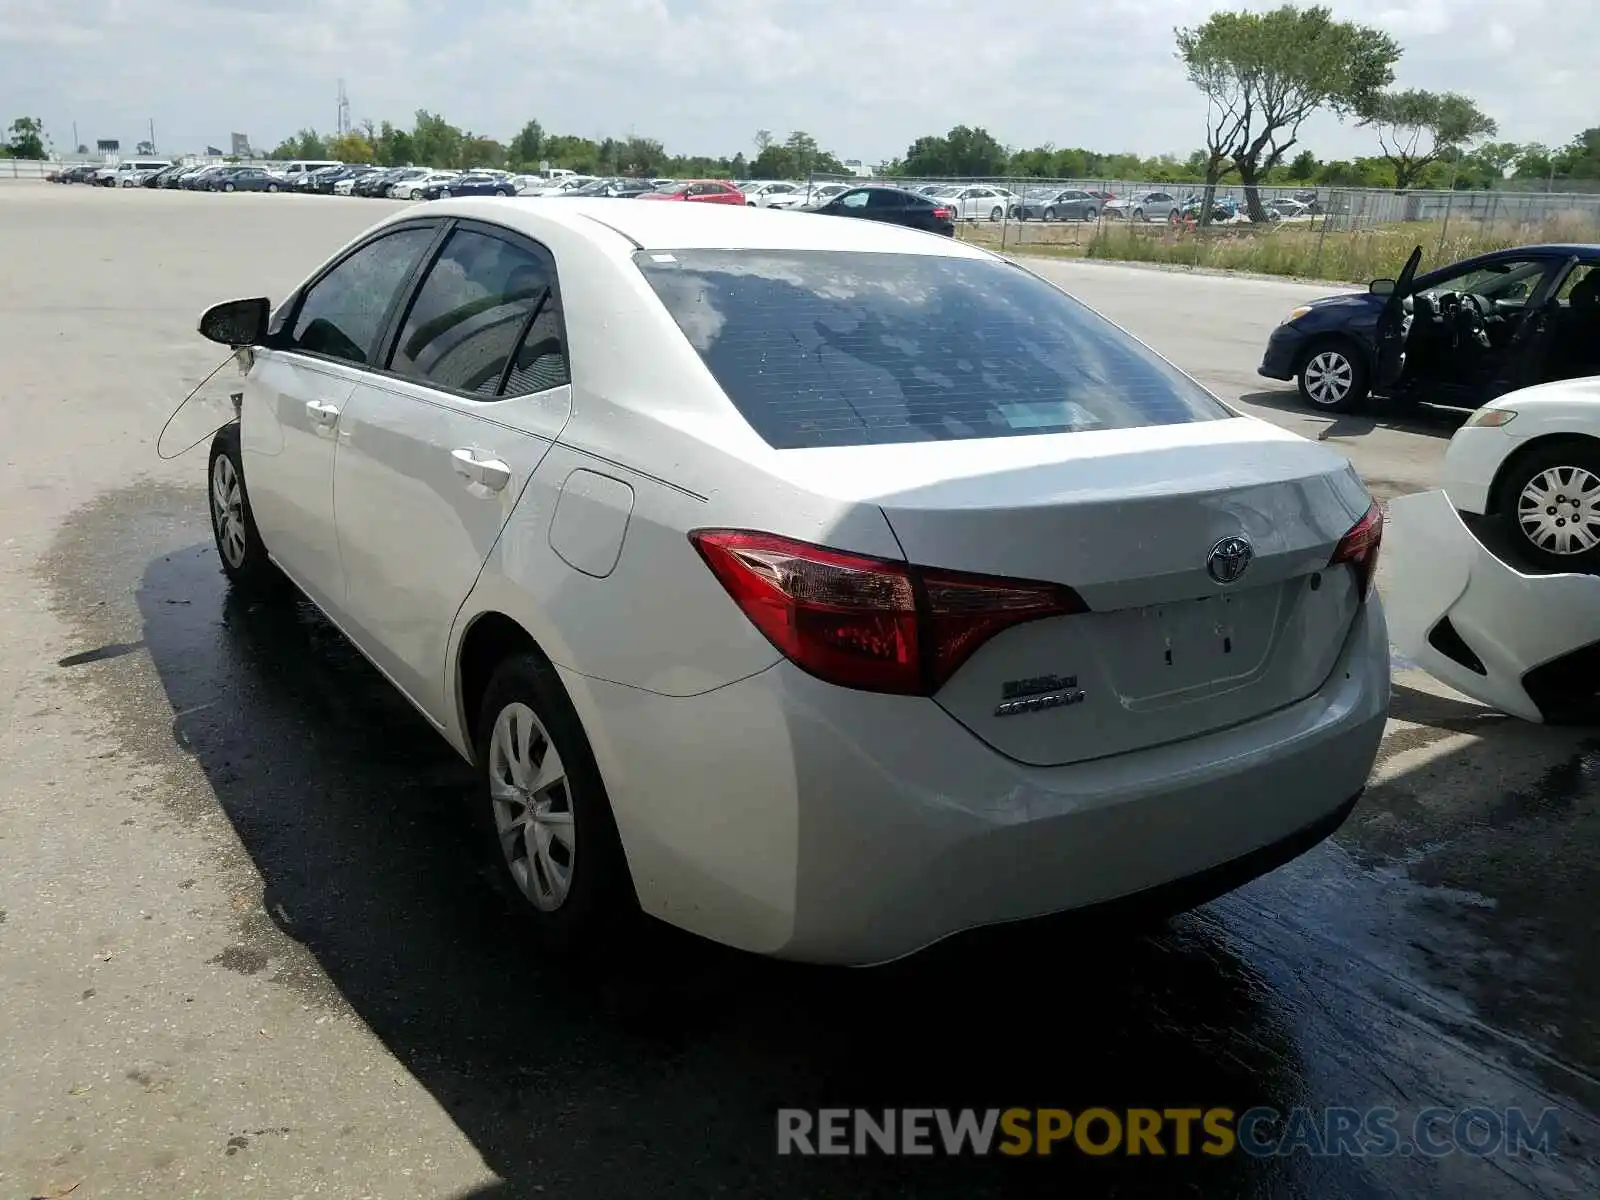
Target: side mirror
1381,287
237,323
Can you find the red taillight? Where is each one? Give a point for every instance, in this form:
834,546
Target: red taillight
943,214
1360,548
870,623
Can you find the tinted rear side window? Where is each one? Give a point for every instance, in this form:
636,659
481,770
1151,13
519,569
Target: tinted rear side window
831,348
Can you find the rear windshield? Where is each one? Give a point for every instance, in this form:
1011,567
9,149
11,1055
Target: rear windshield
832,348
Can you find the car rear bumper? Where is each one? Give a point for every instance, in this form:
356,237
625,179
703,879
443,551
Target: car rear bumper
785,816
1282,358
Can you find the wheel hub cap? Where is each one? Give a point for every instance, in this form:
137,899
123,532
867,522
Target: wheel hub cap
532,807
1559,510
227,510
1328,377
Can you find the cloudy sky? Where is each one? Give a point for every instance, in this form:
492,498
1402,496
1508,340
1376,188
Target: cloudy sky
864,76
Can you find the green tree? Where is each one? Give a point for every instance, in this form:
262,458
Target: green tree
481,152
573,153
1304,167
962,152
26,138
393,147
351,148
1580,158
1274,69
640,157
1417,128
1228,107
1038,163
435,142
1534,161
527,148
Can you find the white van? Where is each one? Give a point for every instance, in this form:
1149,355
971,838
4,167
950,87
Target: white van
126,171
301,167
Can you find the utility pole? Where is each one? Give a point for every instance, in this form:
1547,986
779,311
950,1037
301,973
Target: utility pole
152,135
75,142
342,124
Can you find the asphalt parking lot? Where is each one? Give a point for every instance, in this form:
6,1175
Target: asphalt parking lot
244,949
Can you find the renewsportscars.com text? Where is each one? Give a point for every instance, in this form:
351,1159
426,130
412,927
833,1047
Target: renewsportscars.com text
1163,1132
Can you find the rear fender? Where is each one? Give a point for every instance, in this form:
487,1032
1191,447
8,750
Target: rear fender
1469,619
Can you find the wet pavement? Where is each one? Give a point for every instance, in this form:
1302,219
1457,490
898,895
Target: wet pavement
1427,956
247,948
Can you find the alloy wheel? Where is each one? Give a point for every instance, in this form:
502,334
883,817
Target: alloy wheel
533,813
1559,510
1328,377
227,509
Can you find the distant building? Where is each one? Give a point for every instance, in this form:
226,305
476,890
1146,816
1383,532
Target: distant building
855,165
241,145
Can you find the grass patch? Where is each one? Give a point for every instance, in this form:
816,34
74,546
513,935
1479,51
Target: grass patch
1300,249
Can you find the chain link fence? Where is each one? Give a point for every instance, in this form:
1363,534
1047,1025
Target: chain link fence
1347,234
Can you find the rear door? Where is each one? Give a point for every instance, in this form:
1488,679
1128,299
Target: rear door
436,449
295,397
1391,331
1522,363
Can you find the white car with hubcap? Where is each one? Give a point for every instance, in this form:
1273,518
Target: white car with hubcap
1531,460
821,587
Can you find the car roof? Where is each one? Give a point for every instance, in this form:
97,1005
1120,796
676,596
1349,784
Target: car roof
703,227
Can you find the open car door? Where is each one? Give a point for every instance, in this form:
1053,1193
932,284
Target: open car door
1521,363
1392,327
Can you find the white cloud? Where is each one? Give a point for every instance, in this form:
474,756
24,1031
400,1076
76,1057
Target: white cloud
702,75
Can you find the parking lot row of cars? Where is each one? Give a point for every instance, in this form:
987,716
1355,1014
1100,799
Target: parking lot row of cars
965,201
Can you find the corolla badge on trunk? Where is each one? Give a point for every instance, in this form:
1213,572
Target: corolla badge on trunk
1037,694
1229,559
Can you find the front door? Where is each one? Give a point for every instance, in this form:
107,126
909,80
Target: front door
295,396
1391,332
434,452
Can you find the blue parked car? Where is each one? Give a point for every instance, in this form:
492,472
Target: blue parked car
1460,335
481,184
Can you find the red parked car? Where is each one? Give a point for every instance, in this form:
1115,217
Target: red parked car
706,191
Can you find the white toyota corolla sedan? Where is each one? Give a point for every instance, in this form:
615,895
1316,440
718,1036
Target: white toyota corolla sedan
822,587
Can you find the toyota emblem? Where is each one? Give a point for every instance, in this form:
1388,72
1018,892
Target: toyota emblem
1229,559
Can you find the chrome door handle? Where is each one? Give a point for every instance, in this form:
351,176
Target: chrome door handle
490,472
322,412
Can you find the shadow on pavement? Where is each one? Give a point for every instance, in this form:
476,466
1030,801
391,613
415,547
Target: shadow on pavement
1427,419
662,1074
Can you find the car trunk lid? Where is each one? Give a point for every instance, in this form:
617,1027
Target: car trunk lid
1202,551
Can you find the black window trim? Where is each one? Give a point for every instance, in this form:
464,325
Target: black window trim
395,320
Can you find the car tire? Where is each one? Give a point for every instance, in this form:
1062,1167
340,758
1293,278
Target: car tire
572,904
1333,377
227,187
1049,214
233,526
272,187
416,194
501,192
996,213
444,193
1532,484
1137,214
1089,214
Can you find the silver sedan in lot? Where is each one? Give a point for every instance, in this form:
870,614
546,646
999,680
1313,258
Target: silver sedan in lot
1143,206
